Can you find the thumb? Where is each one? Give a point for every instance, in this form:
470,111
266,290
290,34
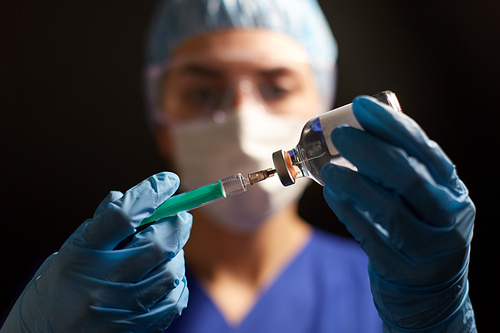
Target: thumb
119,218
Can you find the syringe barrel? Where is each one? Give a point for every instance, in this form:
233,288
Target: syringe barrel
235,184
201,196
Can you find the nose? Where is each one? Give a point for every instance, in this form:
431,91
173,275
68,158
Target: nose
241,94
244,93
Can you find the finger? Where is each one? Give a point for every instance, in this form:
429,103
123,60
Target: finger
401,131
156,319
112,196
158,244
140,201
121,217
406,232
371,237
149,249
172,271
384,258
141,295
171,233
393,168
170,307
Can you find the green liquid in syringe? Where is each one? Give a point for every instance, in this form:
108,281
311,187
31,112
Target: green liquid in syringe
207,194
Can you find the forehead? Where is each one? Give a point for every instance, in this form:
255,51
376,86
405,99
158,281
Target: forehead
257,48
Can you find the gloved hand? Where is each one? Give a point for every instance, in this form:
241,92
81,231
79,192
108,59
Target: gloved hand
89,286
411,215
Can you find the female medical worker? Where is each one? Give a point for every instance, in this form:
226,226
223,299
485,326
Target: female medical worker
229,83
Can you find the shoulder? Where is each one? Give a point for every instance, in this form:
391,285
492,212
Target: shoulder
341,247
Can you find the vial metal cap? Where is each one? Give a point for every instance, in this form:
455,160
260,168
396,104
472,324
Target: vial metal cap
282,169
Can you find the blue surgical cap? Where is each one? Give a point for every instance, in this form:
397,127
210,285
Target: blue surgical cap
175,21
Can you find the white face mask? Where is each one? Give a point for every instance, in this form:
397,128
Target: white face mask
206,151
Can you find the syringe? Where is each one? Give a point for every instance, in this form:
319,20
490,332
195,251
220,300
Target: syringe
207,194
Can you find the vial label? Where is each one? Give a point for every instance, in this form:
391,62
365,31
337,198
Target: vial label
332,119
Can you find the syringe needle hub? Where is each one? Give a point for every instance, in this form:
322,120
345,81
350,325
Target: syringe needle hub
261,175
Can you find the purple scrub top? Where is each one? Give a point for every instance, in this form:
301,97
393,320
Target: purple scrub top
325,288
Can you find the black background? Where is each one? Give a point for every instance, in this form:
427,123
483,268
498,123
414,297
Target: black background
72,114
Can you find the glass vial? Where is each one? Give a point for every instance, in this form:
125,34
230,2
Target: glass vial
315,149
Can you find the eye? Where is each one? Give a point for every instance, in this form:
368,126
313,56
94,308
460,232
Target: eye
270,92
204,97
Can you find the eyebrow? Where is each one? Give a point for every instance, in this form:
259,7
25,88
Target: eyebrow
280,71
203,71
211,72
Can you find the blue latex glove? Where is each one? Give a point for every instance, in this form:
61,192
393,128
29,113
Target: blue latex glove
89,286
411,215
